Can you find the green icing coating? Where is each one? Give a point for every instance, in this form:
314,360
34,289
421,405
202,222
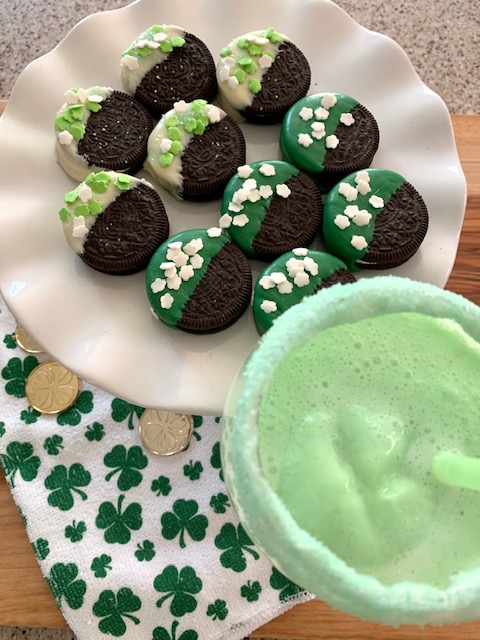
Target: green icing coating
383,183
327,265
211,246
311,158
255,211
143,51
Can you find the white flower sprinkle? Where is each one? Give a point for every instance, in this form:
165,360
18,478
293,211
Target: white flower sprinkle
351,210
85,193
301,279
180,259
376,202
311,266
244,171
214,232
265,61
265,191
267,169
321,113
193,246
261,40
65,137
196,261
79,229
363,187
250,183
254,195
160,37
181,106
166,301
269,306
266,282
166,265
359,243
348,191
158,285
362,175
214,115
318,126
240,196
304,139
285,287
362,218
328,101
224,74
240,220
170,273
229,62
130,62
332,142
225,220
186,272
71,97
342,222
236,208
306,113
95,98
82,95
151,44
347,119
175,245
174,282
141,43
165,145
278,277
300,251
232,82
283,190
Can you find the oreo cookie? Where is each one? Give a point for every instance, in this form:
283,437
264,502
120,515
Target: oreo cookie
261,75
292,277
269,208
329,135
114,222
194,150
198,281
99,128
374,219
165,64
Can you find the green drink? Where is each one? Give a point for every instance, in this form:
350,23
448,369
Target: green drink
351,449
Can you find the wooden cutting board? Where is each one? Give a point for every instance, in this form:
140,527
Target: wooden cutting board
25,599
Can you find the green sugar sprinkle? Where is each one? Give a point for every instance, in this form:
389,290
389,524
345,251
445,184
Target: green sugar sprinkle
176,148
243,43
93,106
82,210
71,197
177,41
166,46
172,121
226,51
77,130
251,68
273,35
244,62
240,75
122,183
157,28
95,207
199,129
190,125
255,86
166,159
98,182
61,123
174,133
255,49
64,213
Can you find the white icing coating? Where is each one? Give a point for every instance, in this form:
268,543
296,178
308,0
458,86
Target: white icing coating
131,78
269,306
376,202
359,243
67,154
341,221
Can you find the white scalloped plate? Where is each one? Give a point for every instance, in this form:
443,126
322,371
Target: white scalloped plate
100,326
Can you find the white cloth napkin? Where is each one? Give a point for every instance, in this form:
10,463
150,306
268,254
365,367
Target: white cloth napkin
132,545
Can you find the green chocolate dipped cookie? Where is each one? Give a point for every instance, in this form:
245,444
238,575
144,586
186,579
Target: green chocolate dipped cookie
114,222
290,278
329,135
194,150
198,281
374,219
260,75
165,64
269,207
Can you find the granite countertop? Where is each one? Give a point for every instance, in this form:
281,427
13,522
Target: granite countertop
441,38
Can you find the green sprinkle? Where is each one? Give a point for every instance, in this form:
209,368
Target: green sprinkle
157,28
244,62
276,37
143,52
243,43
268,33
95,207
251,68
93,106
204,119
255,49
99,186
82,210
71,197
200,102
67,114
166,46
122,183
64,213
165,159
128,52
172,121
76,111
189,125
177,41
255,86
269,53
103,176
174,133
199,129
77,130
73,90
99,182
176,148
240,75
61,123
226,51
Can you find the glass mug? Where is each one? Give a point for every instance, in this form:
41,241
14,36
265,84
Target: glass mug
351,449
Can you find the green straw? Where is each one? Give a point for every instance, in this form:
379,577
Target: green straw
456,470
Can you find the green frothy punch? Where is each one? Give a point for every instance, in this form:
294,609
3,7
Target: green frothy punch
157,35
457,470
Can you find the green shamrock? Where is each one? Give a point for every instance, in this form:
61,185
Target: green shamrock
94,432
146,552
161,486
235,541
121,410
251,591
41,548
159,633
73,416
100,565
75,531
288,589
113,608
64,585
19,457
219,503
2,429
22,515
182,586
53,445
118,524
197,423
183,519
193,470
216,460
127,462
63,482
29,416
218,610
17,372
9,341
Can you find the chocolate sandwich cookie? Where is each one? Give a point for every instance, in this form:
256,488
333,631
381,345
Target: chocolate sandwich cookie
99,128
374,219
290,278
165,64
270,207
329,135
261,75
114,222
198,281
194,150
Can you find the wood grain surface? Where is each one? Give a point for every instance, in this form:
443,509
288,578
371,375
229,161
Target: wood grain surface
25,599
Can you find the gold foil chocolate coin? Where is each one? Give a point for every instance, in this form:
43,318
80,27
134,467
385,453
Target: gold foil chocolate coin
50,388
26,342
164,432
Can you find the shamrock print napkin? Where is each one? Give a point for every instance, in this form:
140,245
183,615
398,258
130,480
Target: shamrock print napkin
132,545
